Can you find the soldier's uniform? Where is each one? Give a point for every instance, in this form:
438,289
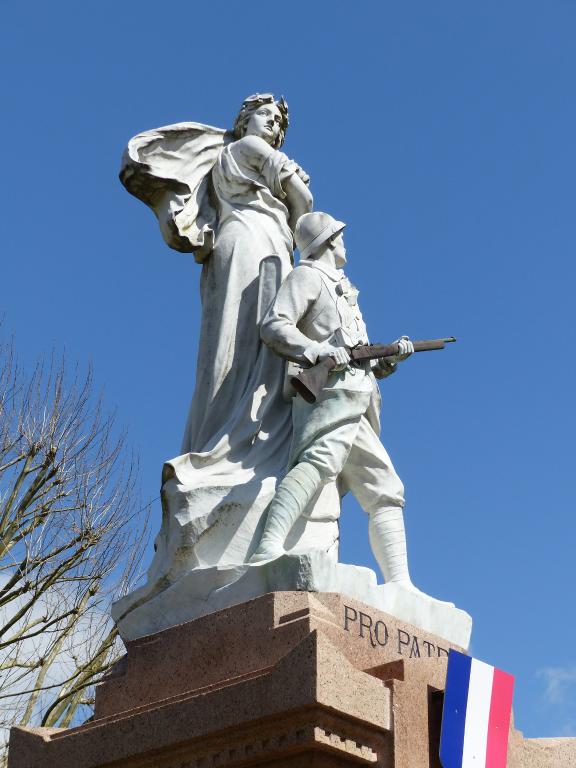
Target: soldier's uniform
316,315
338,434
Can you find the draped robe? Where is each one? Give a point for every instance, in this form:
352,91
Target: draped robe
223,200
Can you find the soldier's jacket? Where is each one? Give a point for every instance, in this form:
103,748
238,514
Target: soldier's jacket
316,303
313,303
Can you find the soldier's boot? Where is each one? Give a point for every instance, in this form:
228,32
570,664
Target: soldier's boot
388,542
290,501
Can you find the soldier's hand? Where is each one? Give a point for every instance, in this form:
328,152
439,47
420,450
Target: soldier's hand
340,355
405,349
387,365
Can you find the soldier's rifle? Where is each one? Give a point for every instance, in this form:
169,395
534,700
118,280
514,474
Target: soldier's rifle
311,381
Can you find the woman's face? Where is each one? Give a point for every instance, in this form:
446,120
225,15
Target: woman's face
265,123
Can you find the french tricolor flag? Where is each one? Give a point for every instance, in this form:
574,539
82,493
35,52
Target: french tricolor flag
476,716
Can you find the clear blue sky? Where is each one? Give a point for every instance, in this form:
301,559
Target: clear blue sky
444,134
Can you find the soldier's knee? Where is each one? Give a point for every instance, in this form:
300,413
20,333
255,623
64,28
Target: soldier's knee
324,468
389,495
328,463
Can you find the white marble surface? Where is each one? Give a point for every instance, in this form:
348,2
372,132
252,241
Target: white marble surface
211,589
233,199
336,438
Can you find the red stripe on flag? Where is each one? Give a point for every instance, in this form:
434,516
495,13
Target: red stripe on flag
499,719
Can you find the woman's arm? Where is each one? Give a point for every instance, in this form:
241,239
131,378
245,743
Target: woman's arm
298,198
283,176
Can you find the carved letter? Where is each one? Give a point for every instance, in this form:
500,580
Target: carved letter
377,630
429,646
401,641
442,651
368,626
414,649
348,618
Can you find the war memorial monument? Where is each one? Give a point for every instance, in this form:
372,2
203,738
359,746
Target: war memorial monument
249,642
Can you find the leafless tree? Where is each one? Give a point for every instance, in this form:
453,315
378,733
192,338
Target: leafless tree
72,534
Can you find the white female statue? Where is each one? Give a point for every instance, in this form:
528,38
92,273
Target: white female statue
232,198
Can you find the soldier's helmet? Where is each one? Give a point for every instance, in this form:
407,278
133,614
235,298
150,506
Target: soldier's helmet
312,231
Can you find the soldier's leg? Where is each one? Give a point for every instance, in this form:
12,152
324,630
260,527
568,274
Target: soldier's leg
318,457
371,477
291,498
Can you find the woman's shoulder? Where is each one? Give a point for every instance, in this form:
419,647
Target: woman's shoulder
252,147
254,144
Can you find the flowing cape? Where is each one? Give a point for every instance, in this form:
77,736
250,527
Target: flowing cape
169,169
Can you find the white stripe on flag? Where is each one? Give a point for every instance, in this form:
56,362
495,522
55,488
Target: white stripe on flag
477,715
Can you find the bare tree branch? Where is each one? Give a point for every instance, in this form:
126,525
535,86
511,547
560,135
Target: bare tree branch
72,536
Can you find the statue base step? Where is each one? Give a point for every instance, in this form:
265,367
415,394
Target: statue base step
289,680
207,590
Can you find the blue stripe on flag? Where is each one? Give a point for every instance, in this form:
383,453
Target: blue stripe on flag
454,714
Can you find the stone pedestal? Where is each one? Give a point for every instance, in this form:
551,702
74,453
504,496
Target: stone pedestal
288,679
